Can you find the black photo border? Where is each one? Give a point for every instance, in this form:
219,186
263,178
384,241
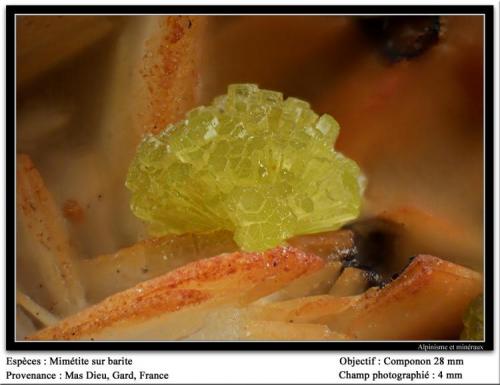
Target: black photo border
486,10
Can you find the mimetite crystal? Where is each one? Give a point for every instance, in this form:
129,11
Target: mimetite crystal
252,163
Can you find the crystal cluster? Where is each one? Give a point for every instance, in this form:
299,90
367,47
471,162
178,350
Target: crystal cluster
252,163
474,321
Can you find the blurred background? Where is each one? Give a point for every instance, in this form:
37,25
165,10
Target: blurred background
406,91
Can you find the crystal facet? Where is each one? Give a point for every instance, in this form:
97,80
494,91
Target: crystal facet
251,163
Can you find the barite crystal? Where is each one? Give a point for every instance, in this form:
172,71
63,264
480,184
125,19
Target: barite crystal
251,163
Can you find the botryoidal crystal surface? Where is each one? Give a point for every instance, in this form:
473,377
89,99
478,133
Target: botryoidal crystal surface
251,163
